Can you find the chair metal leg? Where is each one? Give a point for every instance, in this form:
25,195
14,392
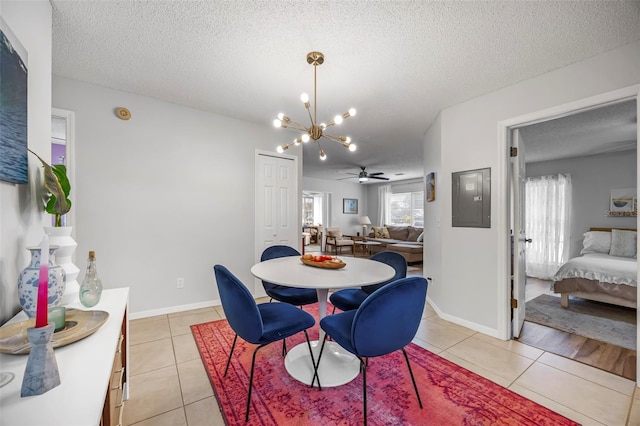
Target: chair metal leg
284,347
363,368
313,362
230,353
315,374
412,378
253,364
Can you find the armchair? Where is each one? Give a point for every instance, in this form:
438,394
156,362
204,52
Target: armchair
336,240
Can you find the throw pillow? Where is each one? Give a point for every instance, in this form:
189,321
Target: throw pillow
596,242
398,232
380,232
414,233
623,243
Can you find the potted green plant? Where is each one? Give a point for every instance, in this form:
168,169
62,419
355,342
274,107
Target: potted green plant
57,184
57,203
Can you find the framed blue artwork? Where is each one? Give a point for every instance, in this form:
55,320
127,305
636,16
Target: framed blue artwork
349,206
13,108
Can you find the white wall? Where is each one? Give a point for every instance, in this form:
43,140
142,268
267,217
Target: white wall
21,212
166,194
592,179
470,273
432,252
349,224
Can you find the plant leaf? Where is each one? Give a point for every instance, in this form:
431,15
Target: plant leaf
58,204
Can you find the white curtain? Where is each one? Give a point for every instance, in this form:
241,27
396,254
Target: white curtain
548,213
383,192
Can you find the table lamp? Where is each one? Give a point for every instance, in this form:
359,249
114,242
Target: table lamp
364,221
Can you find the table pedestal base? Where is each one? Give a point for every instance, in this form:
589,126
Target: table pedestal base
337,366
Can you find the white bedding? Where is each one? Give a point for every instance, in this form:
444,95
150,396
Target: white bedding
601,267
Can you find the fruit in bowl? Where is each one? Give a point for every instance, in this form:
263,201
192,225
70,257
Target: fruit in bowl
321,258
322,261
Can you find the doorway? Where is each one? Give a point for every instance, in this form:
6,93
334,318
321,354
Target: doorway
548,116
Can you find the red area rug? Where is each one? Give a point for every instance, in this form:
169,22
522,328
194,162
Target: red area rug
450,394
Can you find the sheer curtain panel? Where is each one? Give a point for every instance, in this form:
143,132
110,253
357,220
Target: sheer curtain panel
383,208
548,214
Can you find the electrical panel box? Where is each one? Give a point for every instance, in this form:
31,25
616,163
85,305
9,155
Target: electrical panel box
471,198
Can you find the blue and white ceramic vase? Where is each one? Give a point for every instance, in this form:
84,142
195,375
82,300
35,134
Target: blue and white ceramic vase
28,282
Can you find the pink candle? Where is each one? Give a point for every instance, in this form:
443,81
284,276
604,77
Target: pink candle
43,284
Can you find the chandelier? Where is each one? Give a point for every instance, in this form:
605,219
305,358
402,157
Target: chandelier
315,131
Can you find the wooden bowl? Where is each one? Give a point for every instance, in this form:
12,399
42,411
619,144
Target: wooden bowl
326,264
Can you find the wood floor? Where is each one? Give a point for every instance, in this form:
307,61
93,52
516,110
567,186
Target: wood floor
614,359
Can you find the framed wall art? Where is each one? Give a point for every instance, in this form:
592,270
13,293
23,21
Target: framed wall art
349,206
431,186
13,108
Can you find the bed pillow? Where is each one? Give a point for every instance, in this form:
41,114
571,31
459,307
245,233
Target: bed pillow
623,243
596,242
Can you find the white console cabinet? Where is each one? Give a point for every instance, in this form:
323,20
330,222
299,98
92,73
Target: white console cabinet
93,371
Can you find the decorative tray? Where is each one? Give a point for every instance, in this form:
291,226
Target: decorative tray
326,264
78,325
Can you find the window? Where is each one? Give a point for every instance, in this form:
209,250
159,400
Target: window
405,208
307,210
548,214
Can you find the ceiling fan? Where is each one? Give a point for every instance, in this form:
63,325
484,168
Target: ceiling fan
363,176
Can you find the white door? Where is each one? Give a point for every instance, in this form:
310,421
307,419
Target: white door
277,201
518,277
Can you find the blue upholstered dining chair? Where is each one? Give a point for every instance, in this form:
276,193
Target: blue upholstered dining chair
351,298
257,324
295,296
386,321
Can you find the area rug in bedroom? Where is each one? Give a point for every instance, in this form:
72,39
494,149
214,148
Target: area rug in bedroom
611,324
450,394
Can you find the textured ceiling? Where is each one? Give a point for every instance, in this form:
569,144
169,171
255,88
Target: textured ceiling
607,129
398,62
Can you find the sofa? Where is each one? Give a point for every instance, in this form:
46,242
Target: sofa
406,240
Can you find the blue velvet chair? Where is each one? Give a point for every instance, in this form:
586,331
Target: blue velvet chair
293,295
385,322
257,324
351,298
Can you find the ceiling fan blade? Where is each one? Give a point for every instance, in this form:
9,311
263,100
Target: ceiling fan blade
376,173
377,177
347,173
350,177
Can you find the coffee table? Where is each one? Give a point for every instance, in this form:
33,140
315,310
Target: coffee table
366,246
337,365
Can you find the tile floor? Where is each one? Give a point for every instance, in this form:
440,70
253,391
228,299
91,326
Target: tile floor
169,385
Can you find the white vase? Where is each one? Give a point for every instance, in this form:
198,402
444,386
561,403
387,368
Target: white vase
61,236
29,280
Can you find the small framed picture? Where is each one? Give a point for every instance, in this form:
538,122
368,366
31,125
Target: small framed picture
431,186
349,206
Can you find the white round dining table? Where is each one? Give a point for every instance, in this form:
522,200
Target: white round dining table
337,365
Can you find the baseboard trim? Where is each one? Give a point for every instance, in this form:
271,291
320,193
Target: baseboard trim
468,324
174,309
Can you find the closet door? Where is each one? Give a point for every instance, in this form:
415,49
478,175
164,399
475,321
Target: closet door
277,203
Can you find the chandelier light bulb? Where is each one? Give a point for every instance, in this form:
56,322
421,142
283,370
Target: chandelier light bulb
305,137
347,139
281,116
323,126
304,98
323,156
352,147
352,112
337,119
280,149
277,123
297,141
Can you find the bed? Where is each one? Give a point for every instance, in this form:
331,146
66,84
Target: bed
606,271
